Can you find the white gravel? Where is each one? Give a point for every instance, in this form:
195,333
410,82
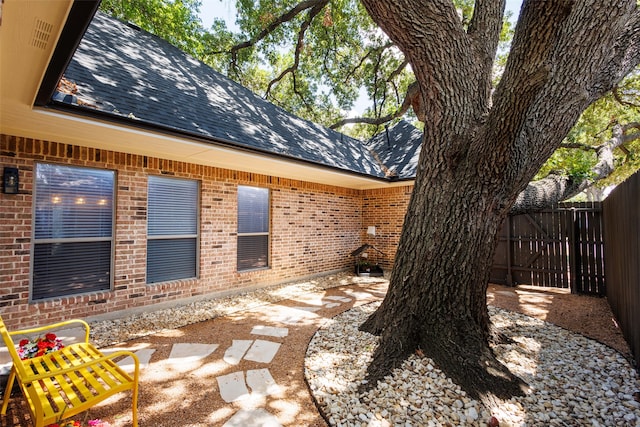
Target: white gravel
575,381
127,327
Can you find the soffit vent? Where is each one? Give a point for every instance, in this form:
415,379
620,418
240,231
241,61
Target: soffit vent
41,34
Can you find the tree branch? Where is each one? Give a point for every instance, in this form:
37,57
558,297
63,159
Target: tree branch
366,120
411,99
395,73
404,22
380,49
625,55
315,10
554,188
444,53
285,17
528,65
618,97
632,125
484,30
578,145
486,22
628,137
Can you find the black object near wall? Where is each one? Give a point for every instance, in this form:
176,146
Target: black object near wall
10,180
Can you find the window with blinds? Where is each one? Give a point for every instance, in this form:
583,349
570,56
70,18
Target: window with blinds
172,229
253,228
73,230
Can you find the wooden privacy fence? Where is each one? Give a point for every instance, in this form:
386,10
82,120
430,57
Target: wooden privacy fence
562,247
622,231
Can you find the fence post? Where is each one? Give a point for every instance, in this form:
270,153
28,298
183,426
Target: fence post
509,277
574,258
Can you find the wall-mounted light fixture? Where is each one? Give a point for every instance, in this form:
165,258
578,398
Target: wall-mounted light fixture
371,230
10,180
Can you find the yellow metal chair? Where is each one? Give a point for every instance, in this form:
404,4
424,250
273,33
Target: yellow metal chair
68,381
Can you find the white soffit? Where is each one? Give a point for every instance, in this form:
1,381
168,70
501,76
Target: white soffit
62,127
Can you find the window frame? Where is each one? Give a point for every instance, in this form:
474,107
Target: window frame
65,240
254,234
167,237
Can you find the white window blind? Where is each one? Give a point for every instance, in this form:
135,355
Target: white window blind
253,228
73,230
172,229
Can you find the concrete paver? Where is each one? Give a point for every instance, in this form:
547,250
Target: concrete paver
183,354
294,315
238,348
144,356
262,351
331,304
252,418
270,331
232,387
338,298
261,382
254,387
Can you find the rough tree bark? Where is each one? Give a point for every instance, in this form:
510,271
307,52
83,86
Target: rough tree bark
480,150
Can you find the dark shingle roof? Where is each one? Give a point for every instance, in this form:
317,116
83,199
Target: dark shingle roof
122,70
398,148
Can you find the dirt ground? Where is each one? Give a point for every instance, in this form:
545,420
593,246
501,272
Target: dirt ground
190,397
587,315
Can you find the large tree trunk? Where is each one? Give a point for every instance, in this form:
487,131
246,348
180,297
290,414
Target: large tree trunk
479,152
437,298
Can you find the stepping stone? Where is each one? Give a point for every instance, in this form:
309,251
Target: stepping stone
357,294
262,351
185,353
232,387
252,418
238,348
261,382
270,331
294,315
311,309
338,298
144,356
332,304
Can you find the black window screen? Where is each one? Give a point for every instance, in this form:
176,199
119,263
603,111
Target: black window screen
172,229
73,230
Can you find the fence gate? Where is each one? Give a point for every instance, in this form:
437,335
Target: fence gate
562,247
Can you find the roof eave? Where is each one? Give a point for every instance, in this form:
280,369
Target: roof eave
80,15
209,148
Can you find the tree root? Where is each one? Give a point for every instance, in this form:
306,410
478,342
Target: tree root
465,358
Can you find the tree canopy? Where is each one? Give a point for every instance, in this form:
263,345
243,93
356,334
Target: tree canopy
311,59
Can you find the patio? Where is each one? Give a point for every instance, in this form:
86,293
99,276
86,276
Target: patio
245,367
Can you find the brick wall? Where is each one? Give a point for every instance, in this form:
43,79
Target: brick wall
313,229
385,209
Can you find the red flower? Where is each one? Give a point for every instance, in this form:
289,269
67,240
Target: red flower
39,346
